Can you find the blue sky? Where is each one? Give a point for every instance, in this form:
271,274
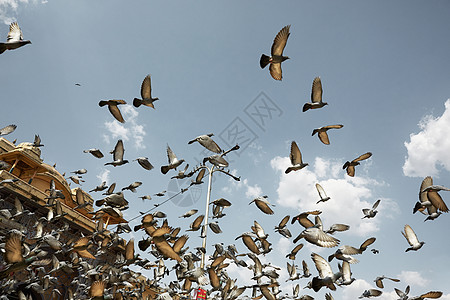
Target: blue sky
384,68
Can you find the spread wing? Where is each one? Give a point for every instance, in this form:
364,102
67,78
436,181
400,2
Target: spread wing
118,151
321,191
295,155
7,129
280,41
146,88
363,157
13,249
437,201
170,155
316,92
322,266
15,34
114,110
275,71
410,236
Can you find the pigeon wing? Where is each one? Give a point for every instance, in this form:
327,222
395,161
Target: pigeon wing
170,155
316,92
322,266
118,151
275,71
363,157
280,41
295,155
114,110
15,34
7,129
323,137
146,88
321,191
437,201
410,236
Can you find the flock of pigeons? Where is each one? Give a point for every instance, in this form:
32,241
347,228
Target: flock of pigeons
30,266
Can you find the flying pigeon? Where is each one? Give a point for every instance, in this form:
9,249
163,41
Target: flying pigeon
146,94
379,281
95,152
276,54
118,155
316,96
322,194
206,141
113,109
14,39
144,162
322,132
296,159
7,129
371,212
412,239
350,165
174,162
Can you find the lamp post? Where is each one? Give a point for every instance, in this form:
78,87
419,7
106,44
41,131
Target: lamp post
217,164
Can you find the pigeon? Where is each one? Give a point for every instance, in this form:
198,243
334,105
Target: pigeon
113,109
276,54
326,276
346,278
350,165
431,295
412,239
174,162
95,152
118,155
37,141
296,159
146,94
294,252
206,141
370,293
316,96
132,187
80,172
323,196
189,213
7,129
435,198
14,39
344,252
379,281
317,237
99,188
144,162
182,173
401,294
263,204
371,212
199,177
322,132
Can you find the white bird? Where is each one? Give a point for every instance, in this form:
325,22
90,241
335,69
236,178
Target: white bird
174,162
206,141
322,194
296,159
412,239
317,237
14,39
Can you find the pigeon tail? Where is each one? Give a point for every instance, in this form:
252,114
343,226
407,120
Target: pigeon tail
264,61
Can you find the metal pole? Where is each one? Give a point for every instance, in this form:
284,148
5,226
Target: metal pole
208,196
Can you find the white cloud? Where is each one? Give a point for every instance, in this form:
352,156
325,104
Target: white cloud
413,278
349,195
251,191
104,175
430,147
130,130
8,8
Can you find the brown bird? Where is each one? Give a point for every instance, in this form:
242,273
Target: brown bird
263,204
276,54
146,94
322,132
350,165
296,159
196,224
113,109
294,252
379,281
316,96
